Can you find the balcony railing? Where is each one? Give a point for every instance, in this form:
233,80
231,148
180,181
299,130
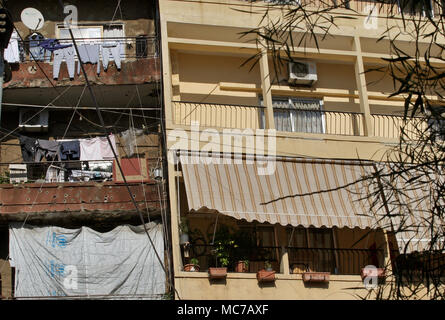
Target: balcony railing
218,115
131,47
390,8
390,126
319,121
293,120
333,260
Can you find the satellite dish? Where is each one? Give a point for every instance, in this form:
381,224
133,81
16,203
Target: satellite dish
32,18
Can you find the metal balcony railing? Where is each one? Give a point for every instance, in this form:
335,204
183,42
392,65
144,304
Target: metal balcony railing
217,115
319,121
385,8
333,260
294,120
56,171
131,47
390,126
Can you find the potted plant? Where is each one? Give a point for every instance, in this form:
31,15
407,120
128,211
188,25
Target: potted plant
314,277
267,274
224,247
193,266
222,251
242,266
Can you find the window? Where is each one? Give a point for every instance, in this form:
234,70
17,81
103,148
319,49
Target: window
82,34
259,240
297,115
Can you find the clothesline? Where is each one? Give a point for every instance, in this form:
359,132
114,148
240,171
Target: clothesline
59,51
85,149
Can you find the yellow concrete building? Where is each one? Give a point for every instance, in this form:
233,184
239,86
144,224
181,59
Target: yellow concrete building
316,243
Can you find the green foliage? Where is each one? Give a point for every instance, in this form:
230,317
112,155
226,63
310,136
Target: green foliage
224,246
194,261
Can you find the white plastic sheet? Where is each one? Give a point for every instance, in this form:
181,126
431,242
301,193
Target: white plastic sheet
57,262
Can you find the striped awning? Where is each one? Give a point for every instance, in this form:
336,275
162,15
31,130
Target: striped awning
298,192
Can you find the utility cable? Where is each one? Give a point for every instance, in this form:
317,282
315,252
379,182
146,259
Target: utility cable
111,145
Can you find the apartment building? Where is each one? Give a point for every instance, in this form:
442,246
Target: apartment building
82,190
291,230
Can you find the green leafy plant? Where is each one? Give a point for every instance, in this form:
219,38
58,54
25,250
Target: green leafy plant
267,265
224,246
194,261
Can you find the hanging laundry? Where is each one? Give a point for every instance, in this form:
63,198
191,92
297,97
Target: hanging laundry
53,45
107,152
48,149
66,54
70,150
89,53
12,53
36,52
97,148
129,140
55,174
111,49
28,147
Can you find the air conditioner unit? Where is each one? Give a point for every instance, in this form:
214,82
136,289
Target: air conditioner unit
31,120
302,72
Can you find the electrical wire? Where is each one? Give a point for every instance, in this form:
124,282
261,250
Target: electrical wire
111,146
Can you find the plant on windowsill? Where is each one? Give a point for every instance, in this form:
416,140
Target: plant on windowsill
267,274
316,276
193,266
223,251
242,266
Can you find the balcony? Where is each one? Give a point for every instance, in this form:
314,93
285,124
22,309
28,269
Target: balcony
327,122
336,261
38,192
139,65
363,6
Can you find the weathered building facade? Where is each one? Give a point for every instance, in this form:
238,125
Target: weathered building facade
106,129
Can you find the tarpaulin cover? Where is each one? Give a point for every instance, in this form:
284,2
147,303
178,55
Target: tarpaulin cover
57,262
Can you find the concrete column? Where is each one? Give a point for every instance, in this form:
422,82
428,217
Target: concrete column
174,214
266,90
284,261
166,75
362,89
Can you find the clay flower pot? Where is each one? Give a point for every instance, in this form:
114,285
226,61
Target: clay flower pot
320,277
191,268
241,266
265,276
218,273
